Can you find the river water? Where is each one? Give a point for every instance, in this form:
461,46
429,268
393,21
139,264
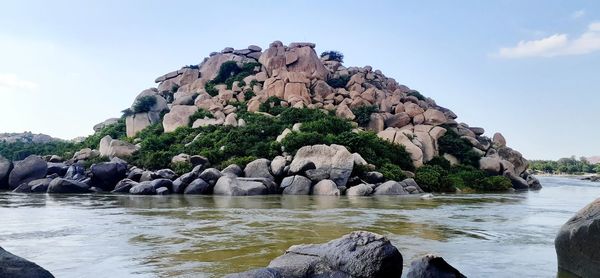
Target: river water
490,235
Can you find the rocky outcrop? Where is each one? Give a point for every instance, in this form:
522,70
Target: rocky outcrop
178,116
16,267
334,159
31,168
431,266
27,137
358,254
578,242
110,147
111,121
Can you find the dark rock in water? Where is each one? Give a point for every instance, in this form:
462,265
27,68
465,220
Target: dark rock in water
210,175
135,174
317,175
166,174
143,188
578,242
182,182
533,182
39,186
75,172
231,186
157,183
57,168
390,188
518,183
60,185
358,254
148,176
124,185
31,168
12,266
430,266
198,186
106,175
162,191
296,185
232,170
23,188
5,168
257,273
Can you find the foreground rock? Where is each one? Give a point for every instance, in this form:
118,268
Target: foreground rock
31,168
578,242
358,254
430,266
16,267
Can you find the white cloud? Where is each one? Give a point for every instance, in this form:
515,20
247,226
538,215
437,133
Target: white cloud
556,45
578,14
13,82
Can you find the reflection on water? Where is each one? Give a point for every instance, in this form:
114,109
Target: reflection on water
496,235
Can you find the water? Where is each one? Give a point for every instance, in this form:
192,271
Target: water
491,235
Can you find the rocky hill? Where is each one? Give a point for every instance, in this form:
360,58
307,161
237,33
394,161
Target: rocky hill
26,137
295,122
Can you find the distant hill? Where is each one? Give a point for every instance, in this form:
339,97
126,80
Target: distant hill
593,159
27,137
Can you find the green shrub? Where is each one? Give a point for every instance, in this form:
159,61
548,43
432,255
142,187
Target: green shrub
230,72
21,150
433,179
440,161
272,106
181,167
248,94
143,104
416,94
494,183
333,55
116,131
210,89
239,161
363,114
339,82
200,114
296,140
291,116
451,143
374,149
329,124
392,172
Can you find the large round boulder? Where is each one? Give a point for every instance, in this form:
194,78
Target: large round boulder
231,186
326,188
390,188
259,168
31,168
106,175
198,186
5,167
296,185
358,254
335,159
143,188
578,242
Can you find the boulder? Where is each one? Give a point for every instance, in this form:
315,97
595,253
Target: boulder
434,117
316,175
533,182
326,188
106,175
518,183
139,121
5,168
521,164
374,177
257,273
278,165
390,188
166,174
116,148
75,172
334,159
231,186
358,254
498,140
182,182
162,191
16,267
210,175
198,186
259,169
491,165
123,186
359,190
60,185
57,168
578,242
178,116
296,185
158,183
39,186
105,123
143,188
31,168
431,266
232,170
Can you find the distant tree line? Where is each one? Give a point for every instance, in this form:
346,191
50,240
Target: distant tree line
567,165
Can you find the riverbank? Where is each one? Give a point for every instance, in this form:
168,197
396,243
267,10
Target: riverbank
210,236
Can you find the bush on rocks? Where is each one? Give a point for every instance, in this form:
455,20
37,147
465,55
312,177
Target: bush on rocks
363,114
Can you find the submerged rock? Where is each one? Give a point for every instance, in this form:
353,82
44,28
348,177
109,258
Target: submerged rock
430,266
16,267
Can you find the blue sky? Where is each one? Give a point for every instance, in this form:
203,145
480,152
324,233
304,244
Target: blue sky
529,69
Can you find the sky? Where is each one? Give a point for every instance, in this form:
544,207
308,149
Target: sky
527,69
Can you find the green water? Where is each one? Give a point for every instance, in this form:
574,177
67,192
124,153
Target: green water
492,235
